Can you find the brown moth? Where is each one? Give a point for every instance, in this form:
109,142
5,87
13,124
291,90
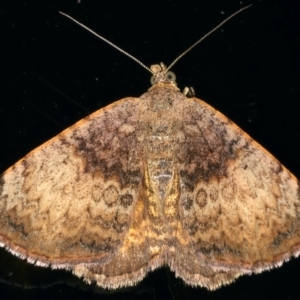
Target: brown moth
158,180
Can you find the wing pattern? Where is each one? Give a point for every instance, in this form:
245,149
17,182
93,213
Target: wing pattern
72,198
239,205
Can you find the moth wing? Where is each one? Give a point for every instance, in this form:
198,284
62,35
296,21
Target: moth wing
71,199
138,255
239,206
194,272
185,266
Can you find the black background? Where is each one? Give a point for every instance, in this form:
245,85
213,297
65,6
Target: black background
53,73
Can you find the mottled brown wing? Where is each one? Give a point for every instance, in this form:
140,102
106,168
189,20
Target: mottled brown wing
139,253
143,251
195,272
129,267
238,204
71,200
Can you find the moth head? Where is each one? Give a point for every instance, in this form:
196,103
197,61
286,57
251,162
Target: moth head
161,74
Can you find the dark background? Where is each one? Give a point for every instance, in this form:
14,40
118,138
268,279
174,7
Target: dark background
53,73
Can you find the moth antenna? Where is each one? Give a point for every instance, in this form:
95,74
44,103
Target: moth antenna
107,41
205,36
138,61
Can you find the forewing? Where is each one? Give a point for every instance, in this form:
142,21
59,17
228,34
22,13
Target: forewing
139,254
71,200
143,250
239,205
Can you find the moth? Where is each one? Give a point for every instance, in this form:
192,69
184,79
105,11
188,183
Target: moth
158,180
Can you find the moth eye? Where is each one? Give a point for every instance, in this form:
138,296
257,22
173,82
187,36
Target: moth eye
171,76
152,80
